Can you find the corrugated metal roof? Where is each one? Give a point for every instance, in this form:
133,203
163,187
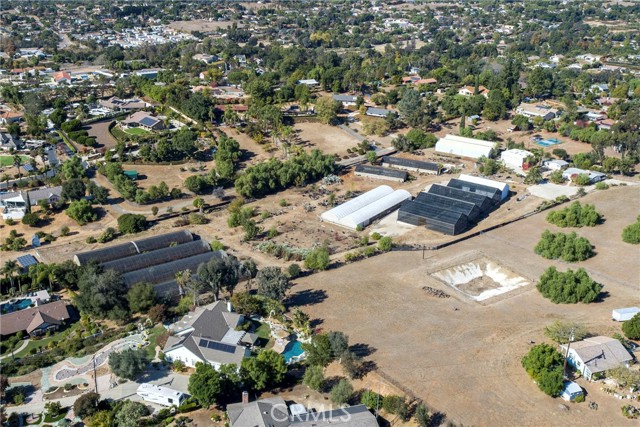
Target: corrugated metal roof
418,164
336,214
377,170
373,210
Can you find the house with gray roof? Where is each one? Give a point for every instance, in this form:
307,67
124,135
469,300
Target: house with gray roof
379,112
594,356
8,142
143,120
36,320
209,335
346,100
274,412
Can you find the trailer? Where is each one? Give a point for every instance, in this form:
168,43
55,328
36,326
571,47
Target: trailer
624,314
160,395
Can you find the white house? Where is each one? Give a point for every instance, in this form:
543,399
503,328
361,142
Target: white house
531,111
571,391
594,177
209,335
555,164
164,396
346,100
596,355
465,147
624,314
514,158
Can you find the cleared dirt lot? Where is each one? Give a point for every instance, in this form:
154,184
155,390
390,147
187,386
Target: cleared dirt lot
101,131
466,362
330,139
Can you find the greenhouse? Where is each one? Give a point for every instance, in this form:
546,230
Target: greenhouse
503,187
482,202
469,209
465,147
127,249
484,190
378,209
415,212
336,214
161,273
160,256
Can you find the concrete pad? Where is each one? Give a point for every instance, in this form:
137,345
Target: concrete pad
550,191
389,226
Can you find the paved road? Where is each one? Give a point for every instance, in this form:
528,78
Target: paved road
351,132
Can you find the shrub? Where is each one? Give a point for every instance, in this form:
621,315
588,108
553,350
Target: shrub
631,233
544,363
582,179
91,240
131,223
376,236
385,244
631,328
317,259
370,399
217,245
314,377
341,392
602,186
293,271
81,212
576,215
64,231
568,247
569,287
197,219
396,405
31,219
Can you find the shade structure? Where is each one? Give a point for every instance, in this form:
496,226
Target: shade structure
464,147
160,256
336,214
166,272
484,190
502,186
469,209
410,164
371,212
484,203
381,173
127,249
418,213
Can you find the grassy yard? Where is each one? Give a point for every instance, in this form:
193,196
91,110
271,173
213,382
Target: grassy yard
8,160
44,342
263,330
136,131
153,340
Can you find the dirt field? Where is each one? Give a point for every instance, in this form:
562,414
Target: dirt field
442,354
329,139
101,131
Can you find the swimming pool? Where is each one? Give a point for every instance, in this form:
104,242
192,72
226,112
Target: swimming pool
548,142
10,307
293,349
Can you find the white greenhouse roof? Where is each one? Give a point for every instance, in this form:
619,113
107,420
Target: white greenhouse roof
466,147
364,215
336,214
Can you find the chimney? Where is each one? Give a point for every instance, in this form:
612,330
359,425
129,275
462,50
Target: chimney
245,397
229,307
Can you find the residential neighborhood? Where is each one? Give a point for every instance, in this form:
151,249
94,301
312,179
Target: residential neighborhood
301,214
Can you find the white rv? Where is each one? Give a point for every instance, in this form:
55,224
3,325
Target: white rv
161,395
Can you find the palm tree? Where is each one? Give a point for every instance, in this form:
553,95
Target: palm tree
10,267
17,162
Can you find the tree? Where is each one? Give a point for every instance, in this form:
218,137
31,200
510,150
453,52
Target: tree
339,343
317,259
157,313
264,371
631,233
31,219
86,405
556,177
631,328
141,297
351,364
569,287
561,331
341,392
410,108
102,294
395,405
568,247
130,413
220,274
205,385
129,363
100,194
73,169
496,106
422,416
575,215
534,176
544,364
318,350
314,377
372,157
370,399
131,223
327,109
4,385
521,122
272,283
53,409
9,269
101,419
198,203
73,189
81,212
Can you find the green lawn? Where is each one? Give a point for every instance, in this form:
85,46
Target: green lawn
153,340
136,131
263,331
43,342
8,160
50,419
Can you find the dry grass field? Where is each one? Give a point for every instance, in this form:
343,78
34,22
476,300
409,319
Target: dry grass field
463,357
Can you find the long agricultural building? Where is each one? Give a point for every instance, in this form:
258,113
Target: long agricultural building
411,165
376,172
454,208
465,147
366,208
154,260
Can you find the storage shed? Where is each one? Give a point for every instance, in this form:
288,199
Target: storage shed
502,186
515,158
411,165
624,314
465,147
378,172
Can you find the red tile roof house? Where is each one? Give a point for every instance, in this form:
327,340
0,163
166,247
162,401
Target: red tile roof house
35,321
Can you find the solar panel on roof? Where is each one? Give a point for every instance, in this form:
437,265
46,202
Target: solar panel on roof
148,121
27,260
27,168
213,345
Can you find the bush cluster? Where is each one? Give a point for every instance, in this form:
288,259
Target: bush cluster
569,287
576,215
568,247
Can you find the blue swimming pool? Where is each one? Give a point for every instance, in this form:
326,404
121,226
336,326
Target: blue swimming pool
291,350
548,142
10,307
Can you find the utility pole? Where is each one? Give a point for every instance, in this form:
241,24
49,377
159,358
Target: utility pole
566,355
